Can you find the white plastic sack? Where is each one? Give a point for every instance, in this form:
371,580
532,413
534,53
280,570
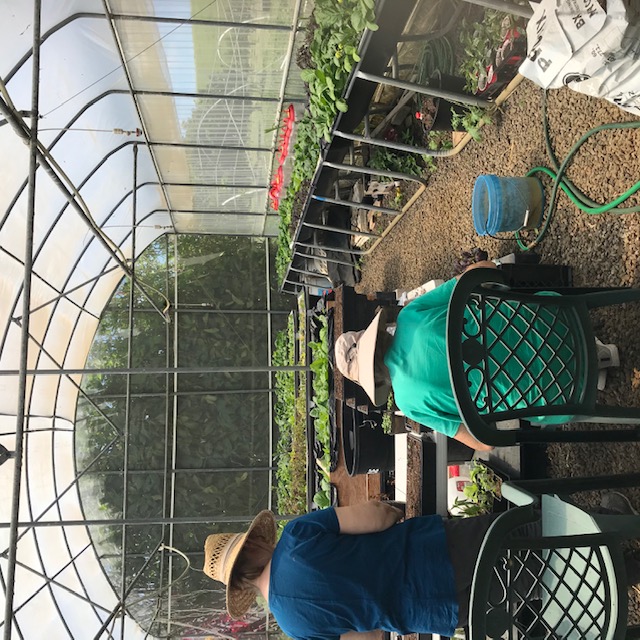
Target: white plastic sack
578,44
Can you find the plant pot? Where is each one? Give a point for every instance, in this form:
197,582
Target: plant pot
457,452
437,112
367,449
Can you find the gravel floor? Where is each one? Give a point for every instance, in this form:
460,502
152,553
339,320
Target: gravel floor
602,250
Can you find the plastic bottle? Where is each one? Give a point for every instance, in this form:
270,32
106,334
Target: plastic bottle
459,476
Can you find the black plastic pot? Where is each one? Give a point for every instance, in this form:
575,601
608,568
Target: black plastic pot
367,449
445,108
458,453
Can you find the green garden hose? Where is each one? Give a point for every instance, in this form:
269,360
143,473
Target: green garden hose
580,199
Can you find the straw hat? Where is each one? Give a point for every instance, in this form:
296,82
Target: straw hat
221,551
356,357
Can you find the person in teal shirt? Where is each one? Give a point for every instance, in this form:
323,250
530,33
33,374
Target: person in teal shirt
413,361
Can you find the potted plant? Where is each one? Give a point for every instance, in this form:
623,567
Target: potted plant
482,494
367,449
435,113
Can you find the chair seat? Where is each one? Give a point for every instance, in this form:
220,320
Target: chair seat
552,573
531,357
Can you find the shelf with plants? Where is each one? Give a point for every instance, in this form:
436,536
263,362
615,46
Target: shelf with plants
482,52
334,32
299,402
339,101
320,411
312,223
290,416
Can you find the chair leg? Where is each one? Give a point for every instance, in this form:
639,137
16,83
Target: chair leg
605,414
607,298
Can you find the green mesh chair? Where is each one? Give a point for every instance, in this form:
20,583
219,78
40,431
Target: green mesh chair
530,358
547,569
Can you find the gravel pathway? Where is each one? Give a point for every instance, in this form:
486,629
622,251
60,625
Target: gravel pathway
602,250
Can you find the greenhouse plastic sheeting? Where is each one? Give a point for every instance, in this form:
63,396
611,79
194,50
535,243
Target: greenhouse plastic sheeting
201,103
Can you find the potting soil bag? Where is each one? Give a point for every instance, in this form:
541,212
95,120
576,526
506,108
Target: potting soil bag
579,44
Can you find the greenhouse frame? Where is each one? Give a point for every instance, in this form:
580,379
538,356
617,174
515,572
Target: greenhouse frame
139,142
142,157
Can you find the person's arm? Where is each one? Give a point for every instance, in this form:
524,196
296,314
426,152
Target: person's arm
483,264
361,635
464,435
367,517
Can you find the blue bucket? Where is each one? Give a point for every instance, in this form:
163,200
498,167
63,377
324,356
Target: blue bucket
506,204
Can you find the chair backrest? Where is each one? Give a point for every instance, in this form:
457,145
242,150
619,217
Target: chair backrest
528,585
518,355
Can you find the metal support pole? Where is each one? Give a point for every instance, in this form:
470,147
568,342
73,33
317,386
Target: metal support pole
133,522
146,371
24,334
163,394
308,245
358,205
127,409
346,263
506,7
349,232
398,146
436,92
396,175
138,472
251,26
319,276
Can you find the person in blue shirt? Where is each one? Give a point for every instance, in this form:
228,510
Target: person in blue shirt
345,572
348,572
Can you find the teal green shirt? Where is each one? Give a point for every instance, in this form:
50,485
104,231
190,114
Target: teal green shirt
417,361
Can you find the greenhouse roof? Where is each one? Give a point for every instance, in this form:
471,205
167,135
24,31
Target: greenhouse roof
159,116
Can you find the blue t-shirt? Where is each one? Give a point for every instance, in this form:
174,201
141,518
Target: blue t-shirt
324,583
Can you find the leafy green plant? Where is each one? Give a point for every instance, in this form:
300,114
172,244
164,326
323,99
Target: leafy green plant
471,120
289,416
322,497
480,494
336,27
390,160
387,418
320,401
320,409
479,41
439,140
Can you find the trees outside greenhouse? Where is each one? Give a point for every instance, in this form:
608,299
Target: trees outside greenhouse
191,447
